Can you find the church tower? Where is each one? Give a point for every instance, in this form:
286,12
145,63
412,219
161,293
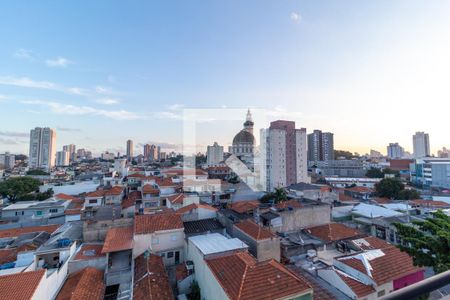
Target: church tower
248,125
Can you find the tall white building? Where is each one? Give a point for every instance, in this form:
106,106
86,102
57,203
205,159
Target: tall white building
71,149
130,152
8,160
62,158
214,154
421,144
286,154
394,151
42,148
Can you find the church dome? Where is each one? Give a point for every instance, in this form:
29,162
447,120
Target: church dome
243,137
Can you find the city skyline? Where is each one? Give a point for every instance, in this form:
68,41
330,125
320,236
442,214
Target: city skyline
387,58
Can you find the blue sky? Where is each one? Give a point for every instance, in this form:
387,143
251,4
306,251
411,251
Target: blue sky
101,72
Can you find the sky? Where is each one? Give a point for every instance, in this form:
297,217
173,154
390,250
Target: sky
103,72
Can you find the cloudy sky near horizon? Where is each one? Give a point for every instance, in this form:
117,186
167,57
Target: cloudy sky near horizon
102,72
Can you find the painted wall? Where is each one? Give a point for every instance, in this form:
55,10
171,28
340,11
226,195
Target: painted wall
408,280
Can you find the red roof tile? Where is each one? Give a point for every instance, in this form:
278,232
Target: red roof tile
149,189
392,265
145,224
150,279
118,239
63,196
20,286
254,230
360,189
84,284
15,232
192,206
89,251
241,277
7,255
371,242
244,206
130,200
177,198
360,289
95,194
114,191
429,203
333,232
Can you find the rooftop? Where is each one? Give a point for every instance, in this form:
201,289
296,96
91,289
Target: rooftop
89,251
118,239
302,186
84,284
201,226
242,277
150,279
373,211
15,232
192,206
254,230
35,204
145,224
216,243
244,206
20,286
333,232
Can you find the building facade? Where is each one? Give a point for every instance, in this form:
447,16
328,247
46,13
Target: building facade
130,151
244,142
394,150
8,160
62,158
286,154
214,154
421,144
42,148
320,146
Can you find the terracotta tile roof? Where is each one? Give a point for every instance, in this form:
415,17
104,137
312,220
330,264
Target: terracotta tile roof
84,284
114,191
346,198
74,211
20,286
118,239
177,198
320,293
192,206
7,255
254,230
241,277
165,182
289,203
392,265
360,289
90,251
150,279
15,232
429,203
130,200
95,194
360,189
382,200
371,242
136,175
184,172
244,206
333,232
63,196
149,189
145,224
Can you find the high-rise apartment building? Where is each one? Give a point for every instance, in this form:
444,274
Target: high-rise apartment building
62,158
421,145
320,146
130,151
151,152
214,154
7,160
394,150
146,151
42,148
71,149
286,154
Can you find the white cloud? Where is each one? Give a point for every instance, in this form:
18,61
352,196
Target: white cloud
175,106
107,101
24,54
27,82
58,62
69,109
102,90
296,17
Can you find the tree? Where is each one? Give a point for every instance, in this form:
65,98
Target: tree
428,242
278,195
343,153
374,173
37,172
408,195
389,187
17,187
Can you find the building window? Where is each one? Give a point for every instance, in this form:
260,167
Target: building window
381,293
53,210
39,213
169,254
93,201
155,241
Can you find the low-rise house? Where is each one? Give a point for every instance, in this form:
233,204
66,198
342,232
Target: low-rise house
84,284
25,285
118,248
195,211
239,276
114,195
312,192
263,244
129,204
94,198
204,226
180,200
150,278
27,210
150,196
88,255
162,234
377,269
359,192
